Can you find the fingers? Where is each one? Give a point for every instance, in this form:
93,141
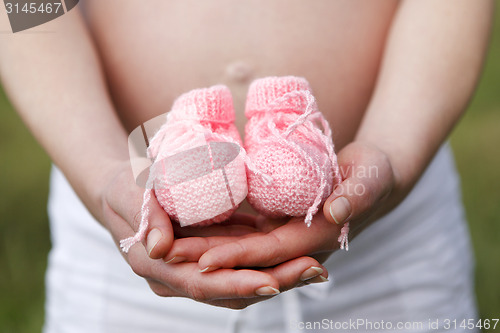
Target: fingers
192,248
368,179
185,279
286,242
240,288
299,271
227,287
294,273
194,241
199,240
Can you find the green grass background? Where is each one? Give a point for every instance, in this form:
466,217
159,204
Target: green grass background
25,239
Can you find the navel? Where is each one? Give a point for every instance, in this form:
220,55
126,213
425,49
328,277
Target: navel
239,71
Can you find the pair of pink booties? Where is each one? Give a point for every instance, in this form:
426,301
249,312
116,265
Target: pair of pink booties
201,172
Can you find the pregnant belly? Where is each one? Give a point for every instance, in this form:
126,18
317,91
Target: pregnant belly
153,51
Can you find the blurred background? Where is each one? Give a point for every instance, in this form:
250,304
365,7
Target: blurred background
25,238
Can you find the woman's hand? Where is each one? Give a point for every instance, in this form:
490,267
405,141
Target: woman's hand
370,186
415,104
122,201
367,192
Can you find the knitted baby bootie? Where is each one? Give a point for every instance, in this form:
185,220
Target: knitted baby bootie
283,139
198,173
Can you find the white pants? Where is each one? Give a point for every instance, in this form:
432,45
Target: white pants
409,271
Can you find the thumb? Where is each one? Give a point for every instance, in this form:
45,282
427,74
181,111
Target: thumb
160,235
368,179
131,210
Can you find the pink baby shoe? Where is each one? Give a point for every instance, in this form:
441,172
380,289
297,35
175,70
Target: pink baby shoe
198,173
283,139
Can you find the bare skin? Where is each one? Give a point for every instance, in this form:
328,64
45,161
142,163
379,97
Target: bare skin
390,97
166,56
343,75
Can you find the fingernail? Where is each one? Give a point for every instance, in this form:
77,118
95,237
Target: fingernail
267,291
208,269
340,209
317,279
176,260
310,273
154,237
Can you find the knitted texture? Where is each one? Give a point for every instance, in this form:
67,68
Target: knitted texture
284,140
198,173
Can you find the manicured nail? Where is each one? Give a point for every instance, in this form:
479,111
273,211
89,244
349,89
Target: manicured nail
340,209
310,273
208,269
317,279
267,291
175,260
154,237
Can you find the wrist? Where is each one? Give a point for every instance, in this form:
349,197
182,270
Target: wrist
93,184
